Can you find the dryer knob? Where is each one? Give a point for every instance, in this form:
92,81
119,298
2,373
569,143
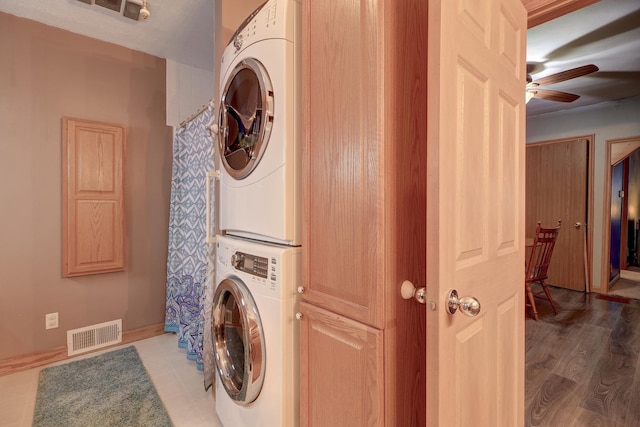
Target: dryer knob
236,260
237,42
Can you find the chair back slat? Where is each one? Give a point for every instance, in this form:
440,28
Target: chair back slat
542,248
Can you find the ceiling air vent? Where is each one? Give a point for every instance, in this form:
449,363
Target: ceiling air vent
132,9
110,4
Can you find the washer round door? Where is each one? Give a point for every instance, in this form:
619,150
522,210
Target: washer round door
238,340
246,118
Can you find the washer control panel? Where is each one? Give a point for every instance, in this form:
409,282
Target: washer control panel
252,264
266,269
261,19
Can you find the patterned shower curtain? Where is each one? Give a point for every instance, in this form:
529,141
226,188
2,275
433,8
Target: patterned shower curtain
189,259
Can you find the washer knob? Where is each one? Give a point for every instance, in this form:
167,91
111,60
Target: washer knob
237,42
236,260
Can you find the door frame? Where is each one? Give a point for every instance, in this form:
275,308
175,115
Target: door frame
633,144
541,11
588,259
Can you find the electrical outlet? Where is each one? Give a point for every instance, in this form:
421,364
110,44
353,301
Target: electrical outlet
51,321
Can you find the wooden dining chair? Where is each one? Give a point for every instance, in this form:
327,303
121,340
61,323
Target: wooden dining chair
536,269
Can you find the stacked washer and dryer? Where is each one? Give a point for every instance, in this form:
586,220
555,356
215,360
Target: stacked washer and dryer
258,257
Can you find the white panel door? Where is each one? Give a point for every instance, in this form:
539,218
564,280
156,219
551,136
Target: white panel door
475,211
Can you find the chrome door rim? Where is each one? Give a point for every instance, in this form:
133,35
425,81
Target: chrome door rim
265,125
246,390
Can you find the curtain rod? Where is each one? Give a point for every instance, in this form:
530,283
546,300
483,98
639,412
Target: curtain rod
197,113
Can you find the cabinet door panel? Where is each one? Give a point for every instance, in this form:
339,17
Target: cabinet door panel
92,197
341,369
342,101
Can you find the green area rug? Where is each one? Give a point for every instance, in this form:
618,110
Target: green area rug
111,389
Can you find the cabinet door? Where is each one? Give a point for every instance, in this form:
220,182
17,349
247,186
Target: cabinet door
341,380
93,217
342,98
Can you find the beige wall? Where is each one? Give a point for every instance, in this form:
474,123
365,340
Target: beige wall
234,12
45,74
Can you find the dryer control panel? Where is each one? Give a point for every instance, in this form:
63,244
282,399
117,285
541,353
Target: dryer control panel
252,264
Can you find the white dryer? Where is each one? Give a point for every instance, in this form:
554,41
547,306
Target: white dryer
255,333
258,129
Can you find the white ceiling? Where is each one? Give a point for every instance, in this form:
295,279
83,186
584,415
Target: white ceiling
606,34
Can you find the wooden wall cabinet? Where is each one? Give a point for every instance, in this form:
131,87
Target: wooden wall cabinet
93,220
364,183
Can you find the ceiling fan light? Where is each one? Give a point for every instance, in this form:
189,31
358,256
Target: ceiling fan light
144,12
528,96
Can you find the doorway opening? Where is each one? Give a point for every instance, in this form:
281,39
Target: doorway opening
621,243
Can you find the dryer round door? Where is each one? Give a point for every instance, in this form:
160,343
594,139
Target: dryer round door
238,340
246,118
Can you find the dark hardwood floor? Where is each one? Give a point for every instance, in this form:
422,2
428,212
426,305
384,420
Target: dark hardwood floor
582,365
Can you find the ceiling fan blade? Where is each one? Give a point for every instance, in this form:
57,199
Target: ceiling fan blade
555,95
567,75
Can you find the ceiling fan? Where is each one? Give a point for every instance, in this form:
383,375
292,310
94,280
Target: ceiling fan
533,86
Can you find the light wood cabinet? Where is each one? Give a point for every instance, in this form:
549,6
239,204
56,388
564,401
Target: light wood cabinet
364,184
342,353
93,217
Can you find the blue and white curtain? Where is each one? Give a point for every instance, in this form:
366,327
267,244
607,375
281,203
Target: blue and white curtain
189,269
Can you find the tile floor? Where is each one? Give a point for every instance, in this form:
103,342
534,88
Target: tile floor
176,379
626,288
628,285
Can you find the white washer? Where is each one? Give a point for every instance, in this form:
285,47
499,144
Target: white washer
258,129
255,333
